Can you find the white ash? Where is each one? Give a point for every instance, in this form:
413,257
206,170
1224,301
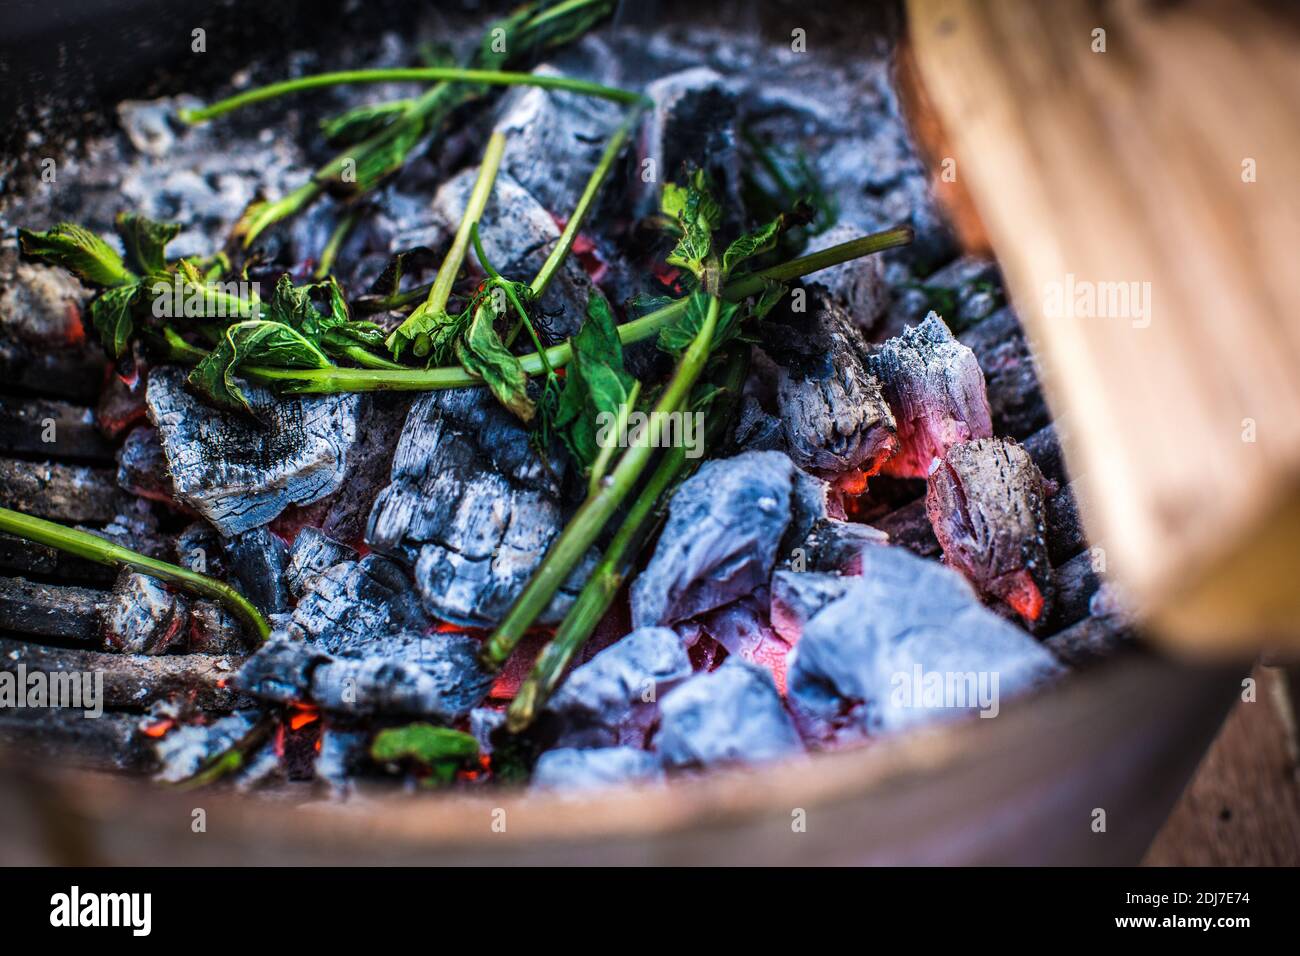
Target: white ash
473,508
732,715
240,473
611,699
313,553
184,750
904,615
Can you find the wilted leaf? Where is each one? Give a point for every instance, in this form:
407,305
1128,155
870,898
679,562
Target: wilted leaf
356,124
256,342
78,250
111,315
482,353
146,241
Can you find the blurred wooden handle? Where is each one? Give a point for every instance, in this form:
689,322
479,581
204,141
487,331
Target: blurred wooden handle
1134,167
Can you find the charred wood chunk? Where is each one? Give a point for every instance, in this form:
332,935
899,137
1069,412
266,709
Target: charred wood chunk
121,404
611,699
135,680
369,465
988,507
472,507
135,527
142,466
184,751
909,526
199,548
518,233
907,642
757,430
569,768
280,671
733,714
49,610
240,472
65,738
143,617
554,139
342,755
836,546
445,683
214,630
745,631
1065,532
73,373
796,599
1091,639
40,305
858,287
353,605
60,492
1077,582
831,408
935,388
20,556
1016,401
693,124
727,527
1044,446
257,560
313,553
39,426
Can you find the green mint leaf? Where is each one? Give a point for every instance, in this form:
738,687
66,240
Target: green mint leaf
146,241
111,315
674,339
427,332
256,342
481,352
78,250
595,382
423,743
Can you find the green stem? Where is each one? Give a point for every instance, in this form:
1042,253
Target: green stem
368,359
331,250
439,74
440,293
571,228
581,532
606,454
332,380
83,544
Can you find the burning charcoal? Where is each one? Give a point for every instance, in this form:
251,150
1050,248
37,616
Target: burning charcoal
796,598
744,629
41,305
1091,640
857,287
831,408
121,405
50,610
483,723
554,139
1076,582
280,671
240,473
199,548
313,553
353,604
725,530
732,714
143,617
693,124
136,528
48,427
1066,536
472,507
909,527
257,560
142,466
987,505
906,621
936,390
568,768
1015,400
60,492
343,752
517,234
610,699
183,751
446,682
214,630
